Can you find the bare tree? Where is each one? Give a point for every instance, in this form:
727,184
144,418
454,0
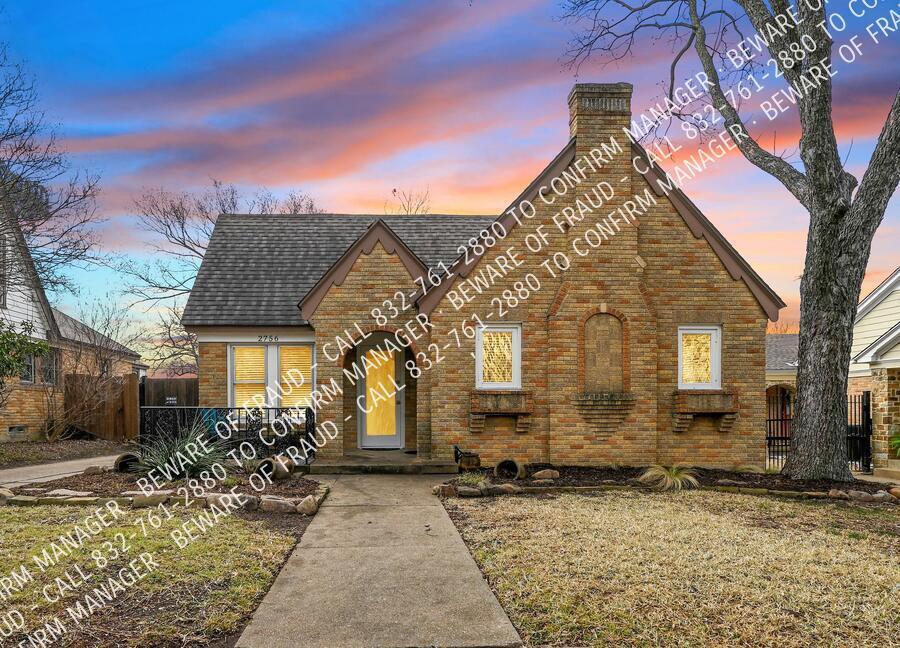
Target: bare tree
180,225
94,352
52,205
844,213
408,203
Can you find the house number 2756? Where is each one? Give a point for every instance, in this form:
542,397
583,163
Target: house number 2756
267,338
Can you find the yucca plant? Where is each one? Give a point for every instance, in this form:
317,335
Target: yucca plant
669,478
170,456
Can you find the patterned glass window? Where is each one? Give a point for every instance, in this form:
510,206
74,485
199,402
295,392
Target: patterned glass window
699,357
498,357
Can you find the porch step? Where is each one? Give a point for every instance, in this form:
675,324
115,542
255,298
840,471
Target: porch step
891,472
386,468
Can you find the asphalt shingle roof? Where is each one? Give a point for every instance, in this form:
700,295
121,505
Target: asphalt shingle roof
781,351
77,331
257,267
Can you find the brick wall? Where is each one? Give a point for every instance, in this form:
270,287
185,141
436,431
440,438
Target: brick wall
28,405
373,278
213,374
858,384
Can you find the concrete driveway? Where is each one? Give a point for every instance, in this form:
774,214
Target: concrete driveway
380,565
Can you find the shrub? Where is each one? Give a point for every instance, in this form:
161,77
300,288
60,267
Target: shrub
749,468
472,480
895,444
669,478
168,454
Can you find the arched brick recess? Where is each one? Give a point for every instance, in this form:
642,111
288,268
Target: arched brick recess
374,328
626,346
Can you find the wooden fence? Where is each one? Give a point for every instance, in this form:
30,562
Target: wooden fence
174,392
108,410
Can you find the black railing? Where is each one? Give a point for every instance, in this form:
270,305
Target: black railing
269,430
859,433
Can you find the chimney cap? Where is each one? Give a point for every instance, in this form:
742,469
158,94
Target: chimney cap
600,89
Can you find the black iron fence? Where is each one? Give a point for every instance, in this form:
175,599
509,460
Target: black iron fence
859,432
269,430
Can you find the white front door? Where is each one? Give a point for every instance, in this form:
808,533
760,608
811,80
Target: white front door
380,398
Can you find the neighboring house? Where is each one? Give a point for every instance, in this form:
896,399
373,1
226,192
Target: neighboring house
37,394
874,368
572,339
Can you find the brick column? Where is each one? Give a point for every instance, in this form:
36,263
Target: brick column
885,412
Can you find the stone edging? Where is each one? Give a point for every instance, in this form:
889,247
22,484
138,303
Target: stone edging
451,490
308,505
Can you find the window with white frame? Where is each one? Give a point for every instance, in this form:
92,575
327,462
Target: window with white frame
498,357
276,375
699,357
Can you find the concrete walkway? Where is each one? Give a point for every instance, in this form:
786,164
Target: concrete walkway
380,565
48,472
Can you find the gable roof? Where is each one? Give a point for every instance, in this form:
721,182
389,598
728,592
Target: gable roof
878,295
32,275
257,267
377,232
699,225
73,330
782,351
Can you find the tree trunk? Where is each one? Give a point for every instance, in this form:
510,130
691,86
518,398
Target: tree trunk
835,265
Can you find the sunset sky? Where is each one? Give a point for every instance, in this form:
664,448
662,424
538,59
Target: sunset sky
346,100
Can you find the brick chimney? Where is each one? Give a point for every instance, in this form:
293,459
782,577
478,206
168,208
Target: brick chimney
599,109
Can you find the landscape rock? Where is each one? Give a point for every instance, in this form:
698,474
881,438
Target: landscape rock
508,489
445,490
861,496
5,494
145,501
834,493
466,491
93,470
135,493
791,493
65,492
731,482
895,492
272,504
308,505
542,482
547,473
23,500
282,469
81,501
883,496
816,494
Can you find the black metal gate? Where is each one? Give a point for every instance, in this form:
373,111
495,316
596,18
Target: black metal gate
779,423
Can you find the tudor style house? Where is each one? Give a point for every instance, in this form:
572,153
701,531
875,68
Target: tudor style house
601,318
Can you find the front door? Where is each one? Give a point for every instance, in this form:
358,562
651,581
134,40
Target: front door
380,398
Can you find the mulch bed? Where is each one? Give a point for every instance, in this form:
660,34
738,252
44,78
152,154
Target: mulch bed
584,476
110,484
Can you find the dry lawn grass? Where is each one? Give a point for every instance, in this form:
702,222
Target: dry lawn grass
197,596
689,569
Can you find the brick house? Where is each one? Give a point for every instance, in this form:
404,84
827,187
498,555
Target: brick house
601,318
36,396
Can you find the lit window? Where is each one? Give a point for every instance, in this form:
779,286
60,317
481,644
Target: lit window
699,357
498,357
249,386
295,369
271,375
